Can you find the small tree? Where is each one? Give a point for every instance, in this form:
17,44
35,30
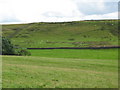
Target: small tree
7,47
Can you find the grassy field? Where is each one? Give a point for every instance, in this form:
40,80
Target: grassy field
62,69
64,34
78,53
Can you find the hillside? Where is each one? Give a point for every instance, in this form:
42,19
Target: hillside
63,34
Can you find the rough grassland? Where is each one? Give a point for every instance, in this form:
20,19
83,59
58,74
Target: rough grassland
63,69
64,34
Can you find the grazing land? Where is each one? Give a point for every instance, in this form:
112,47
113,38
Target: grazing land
62,69
78,53
64,34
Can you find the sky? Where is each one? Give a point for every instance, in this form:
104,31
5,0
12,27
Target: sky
28,11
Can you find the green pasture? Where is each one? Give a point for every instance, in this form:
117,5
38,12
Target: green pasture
77,53
62,69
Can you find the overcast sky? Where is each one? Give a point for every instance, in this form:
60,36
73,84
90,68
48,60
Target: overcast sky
25,11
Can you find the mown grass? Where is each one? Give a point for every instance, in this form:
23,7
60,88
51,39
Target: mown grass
62,69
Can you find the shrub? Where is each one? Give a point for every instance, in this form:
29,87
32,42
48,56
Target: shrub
102,28
23,52
7,47
71,39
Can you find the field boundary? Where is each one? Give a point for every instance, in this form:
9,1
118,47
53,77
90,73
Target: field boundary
112,47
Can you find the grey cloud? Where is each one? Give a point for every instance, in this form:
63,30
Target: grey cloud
9,20
89,9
